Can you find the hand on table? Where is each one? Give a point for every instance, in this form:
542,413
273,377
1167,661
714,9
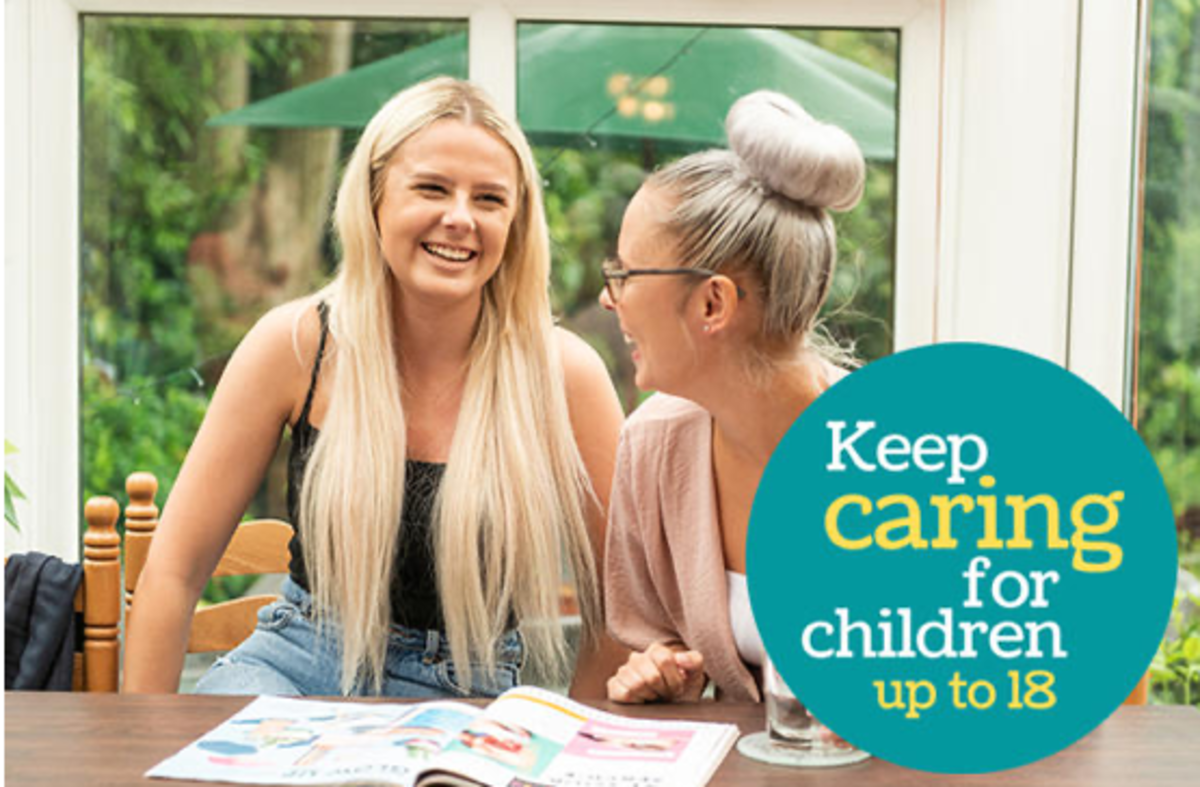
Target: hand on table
661,673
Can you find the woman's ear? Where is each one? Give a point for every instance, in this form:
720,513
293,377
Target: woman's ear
719,304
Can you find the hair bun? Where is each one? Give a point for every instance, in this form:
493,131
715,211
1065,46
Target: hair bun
793,154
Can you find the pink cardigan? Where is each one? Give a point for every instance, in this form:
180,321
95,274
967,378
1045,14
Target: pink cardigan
664,562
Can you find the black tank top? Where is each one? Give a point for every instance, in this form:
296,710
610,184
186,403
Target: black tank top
413,593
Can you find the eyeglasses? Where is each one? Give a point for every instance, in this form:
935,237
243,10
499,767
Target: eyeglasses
615,277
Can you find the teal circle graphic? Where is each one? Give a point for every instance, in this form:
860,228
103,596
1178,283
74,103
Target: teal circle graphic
961,558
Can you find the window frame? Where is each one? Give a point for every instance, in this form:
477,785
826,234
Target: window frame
1110,162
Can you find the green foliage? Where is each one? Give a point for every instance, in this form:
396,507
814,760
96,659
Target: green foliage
1168,403
151,420
382,38
221,589
859,311
1169,328
12,492
873,49
1175,671
585,192
149,187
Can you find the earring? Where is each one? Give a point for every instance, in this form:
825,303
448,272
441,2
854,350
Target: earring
706,328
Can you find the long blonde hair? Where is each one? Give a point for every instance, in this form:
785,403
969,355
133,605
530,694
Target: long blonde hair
515,494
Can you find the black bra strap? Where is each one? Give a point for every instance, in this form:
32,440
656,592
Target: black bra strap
323,313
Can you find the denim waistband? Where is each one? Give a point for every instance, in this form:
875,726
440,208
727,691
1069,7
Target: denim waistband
430,642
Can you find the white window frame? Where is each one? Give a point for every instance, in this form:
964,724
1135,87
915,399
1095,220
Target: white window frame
1041,173
1106,245
1026,250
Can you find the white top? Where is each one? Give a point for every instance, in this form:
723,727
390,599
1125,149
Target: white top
745,630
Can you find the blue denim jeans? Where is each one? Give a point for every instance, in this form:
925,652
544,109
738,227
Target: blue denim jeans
285,656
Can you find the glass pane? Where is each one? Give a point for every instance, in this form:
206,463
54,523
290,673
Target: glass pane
1168,372
197,219
605,104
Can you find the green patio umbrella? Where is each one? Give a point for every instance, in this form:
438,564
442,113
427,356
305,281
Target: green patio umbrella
623,84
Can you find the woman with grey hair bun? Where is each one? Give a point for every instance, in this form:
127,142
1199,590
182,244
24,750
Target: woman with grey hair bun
724,260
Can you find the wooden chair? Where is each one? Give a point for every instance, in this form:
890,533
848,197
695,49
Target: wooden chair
97,664
257,547
1141,692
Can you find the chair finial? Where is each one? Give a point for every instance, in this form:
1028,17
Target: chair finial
141,514
100,540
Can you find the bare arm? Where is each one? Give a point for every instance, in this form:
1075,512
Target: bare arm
596,420
256,396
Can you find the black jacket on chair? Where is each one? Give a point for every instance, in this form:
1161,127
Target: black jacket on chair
39,622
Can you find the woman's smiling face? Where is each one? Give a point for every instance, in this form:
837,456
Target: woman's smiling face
649,308
449,198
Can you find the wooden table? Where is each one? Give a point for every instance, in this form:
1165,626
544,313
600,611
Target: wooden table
94,739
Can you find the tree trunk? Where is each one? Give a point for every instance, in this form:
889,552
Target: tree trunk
267,248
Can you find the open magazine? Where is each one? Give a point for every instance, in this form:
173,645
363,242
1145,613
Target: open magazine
527,737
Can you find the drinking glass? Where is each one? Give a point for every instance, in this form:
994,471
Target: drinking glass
793,735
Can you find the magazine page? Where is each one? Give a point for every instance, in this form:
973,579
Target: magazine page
275,740
531,737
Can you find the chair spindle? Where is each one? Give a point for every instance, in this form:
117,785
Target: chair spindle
102,595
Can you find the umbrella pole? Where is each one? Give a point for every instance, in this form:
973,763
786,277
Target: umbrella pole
649,155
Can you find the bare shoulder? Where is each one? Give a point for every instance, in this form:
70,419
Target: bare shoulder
276,356
595,414
582,366
595,410
287,333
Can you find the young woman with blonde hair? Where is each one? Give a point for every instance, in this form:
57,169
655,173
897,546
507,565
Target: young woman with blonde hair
450,446
725,258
